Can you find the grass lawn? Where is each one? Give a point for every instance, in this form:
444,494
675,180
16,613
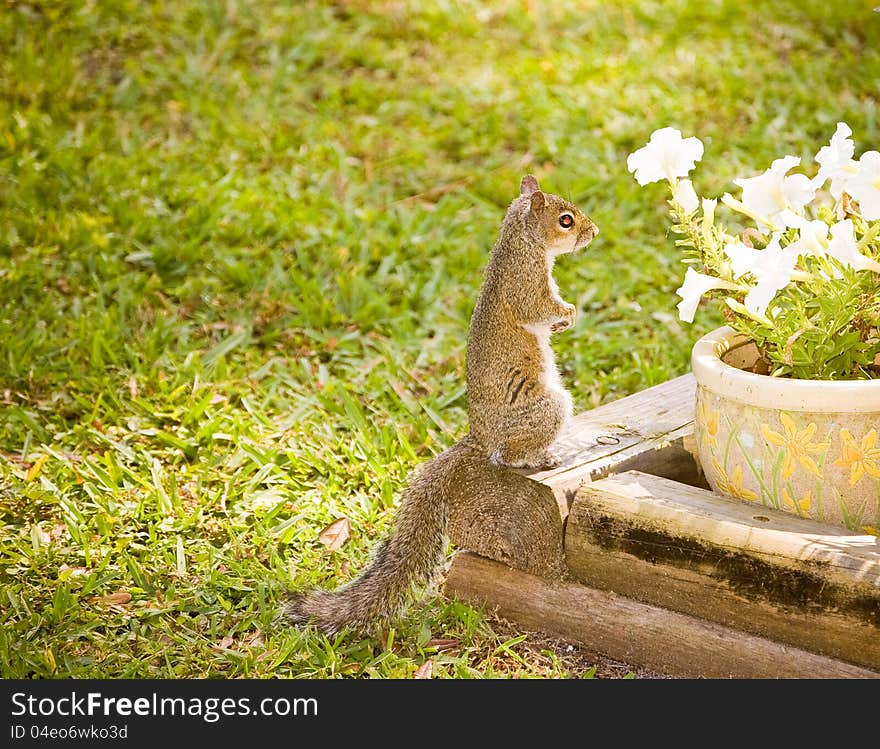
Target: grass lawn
239,247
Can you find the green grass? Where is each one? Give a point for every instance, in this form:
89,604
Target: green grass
239,246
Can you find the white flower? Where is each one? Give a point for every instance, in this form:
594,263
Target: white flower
709,209
864,185
667,156
812,239
772,267
691,291
685,196
789,218
708,214
742,258
776,197
836,161
843,247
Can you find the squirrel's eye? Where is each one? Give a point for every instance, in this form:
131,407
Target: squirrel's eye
566,221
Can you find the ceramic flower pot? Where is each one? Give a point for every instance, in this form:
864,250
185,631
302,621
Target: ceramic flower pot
808,447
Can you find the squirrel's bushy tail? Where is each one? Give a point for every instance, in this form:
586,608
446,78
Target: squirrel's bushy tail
407,558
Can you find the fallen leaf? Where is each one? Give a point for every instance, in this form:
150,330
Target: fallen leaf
335,534
225,643
119,597
424,671
35,469
50,660
344,568
442,644
133,390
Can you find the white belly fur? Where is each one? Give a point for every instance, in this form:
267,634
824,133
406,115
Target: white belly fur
549,373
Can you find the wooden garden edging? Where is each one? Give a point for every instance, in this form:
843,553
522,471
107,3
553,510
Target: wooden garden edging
623,549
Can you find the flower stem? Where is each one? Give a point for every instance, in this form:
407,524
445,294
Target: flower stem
740,207
869,236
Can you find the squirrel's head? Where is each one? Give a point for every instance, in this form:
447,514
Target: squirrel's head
562,225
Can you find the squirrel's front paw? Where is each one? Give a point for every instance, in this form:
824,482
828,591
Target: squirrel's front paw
569,313
550,459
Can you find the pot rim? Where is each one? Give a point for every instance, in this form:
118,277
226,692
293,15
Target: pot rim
778,393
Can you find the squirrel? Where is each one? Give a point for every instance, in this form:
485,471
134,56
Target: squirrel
517,406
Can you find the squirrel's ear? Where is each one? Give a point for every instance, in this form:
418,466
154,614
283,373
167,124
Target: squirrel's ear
528,185
537,203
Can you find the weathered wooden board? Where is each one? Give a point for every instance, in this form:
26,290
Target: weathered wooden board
644,431
771,573
637,633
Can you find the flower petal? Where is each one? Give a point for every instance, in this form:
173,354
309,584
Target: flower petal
857,470
692,290
805,435
708,212
812,238
759,298
776,196
809,464
774,438
742,258
871,468
798,190
667,155
685,196
844,249
788,424
836,162
646,166
864,186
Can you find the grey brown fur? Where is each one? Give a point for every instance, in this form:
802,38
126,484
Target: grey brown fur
516,408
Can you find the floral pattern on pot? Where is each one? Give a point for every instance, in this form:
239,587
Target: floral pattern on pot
825,466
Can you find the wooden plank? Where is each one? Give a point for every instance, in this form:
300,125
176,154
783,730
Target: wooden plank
645,431
773,574
634,632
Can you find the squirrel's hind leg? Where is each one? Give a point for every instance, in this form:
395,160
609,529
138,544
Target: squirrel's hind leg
513,457
526,436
